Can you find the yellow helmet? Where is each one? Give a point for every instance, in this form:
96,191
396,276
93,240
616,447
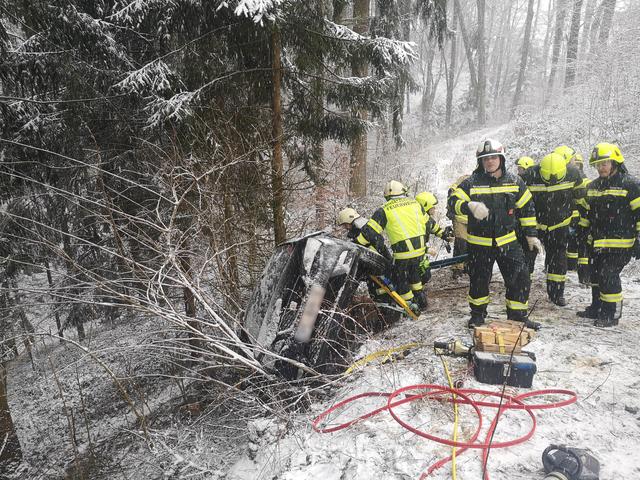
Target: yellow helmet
525,162
427,199
567,152
347,215
394,188
606,151
553,165
579,158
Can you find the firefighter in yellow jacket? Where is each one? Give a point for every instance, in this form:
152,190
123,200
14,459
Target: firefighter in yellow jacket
495,202
613,223
404,221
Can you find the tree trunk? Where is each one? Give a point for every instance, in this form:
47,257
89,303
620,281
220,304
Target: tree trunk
608,10
54,298
557,40
277,169
232,276
452,67
190,305
482,76
595,28
473,78
317,88
589,20
524,55
11,453
572,45
547,42
358,162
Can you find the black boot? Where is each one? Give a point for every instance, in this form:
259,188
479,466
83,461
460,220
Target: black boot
476,320
555,290
610,314
592,311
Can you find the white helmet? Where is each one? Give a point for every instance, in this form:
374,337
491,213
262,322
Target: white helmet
394,188
347,216
489,147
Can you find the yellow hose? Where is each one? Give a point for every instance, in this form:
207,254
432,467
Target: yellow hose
380,353
455,420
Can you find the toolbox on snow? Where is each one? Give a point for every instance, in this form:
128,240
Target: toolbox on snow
495,368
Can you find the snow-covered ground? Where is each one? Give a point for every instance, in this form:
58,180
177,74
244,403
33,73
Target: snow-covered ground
601,365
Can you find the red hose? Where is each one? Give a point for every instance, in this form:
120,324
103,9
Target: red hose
462,397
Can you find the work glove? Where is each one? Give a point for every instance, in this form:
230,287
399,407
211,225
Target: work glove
424,265
479,210
534,244
447,234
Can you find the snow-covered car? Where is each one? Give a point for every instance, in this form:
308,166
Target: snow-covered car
298,309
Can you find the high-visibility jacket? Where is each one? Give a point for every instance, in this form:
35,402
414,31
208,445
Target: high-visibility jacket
509,203
404,221
555,203
457,219
613,217
433,227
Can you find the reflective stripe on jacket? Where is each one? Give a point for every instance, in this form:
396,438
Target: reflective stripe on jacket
555,202
613,216
509,203
404,221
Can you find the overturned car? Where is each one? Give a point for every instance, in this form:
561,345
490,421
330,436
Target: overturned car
301,309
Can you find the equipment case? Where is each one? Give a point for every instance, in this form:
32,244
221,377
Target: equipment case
493,368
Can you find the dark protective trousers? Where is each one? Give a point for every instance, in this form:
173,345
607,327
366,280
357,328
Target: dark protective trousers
514,270
555,261
406,279
529,256
572,250
606,288
584,267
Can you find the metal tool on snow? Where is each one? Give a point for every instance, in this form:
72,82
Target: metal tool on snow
567,463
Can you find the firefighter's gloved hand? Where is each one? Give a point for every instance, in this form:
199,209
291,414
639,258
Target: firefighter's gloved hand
447,234
479,210
534,244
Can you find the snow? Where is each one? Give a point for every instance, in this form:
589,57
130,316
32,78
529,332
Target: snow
598,364
254,9
601,365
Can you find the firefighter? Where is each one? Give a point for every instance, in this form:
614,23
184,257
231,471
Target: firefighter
459,231
349,219
429,201
572,157
495,201
403,219
523,164
555,186
613,223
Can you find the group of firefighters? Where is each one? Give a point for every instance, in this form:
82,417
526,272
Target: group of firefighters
589,225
